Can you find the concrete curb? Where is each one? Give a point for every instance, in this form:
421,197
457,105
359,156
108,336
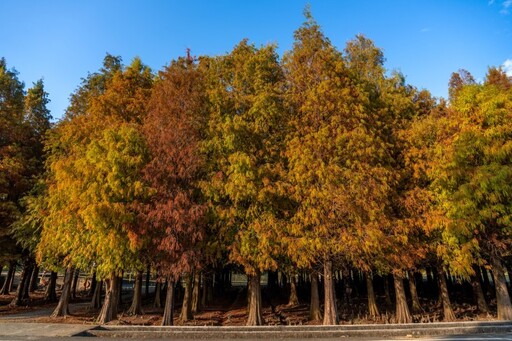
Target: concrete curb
281,332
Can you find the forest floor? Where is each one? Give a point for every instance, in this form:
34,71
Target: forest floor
227,310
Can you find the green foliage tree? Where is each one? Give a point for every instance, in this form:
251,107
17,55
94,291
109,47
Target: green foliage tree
244,139
95,161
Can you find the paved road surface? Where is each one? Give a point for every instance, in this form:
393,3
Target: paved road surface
494,337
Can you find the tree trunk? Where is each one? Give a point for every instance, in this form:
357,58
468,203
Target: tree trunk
403,314
502,295
167,319
314,308
109,310
196,292
158,295
148,277
387,294
373,309
293,300
255,317
136,307
186,307
96,296
74,284
9,279
50,295
34,279
416,305
486,282
94,282
478,291
330,309
120,290
448,314
24,282
62,308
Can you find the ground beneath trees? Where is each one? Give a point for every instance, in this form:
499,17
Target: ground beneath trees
227,310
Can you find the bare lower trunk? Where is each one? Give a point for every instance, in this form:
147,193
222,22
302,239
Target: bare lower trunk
24,282
330,310
96,296
293,300
255,317
109,310
167,319
196,292
94,283
373,310
8,280
478,291
416,306
448,314
502,295
186,307
403,315
74,284
148,277
50,294
62,308
314,308
34,279
207,295
387,294
158,295
136,307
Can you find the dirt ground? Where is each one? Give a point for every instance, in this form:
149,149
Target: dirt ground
228,310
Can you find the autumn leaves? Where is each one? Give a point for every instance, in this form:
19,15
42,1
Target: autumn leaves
321,160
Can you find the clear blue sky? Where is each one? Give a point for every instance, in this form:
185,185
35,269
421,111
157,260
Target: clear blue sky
62,41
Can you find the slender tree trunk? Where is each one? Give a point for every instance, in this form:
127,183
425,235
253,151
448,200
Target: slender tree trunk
502,295
204,294
24,282
314,308
136,307
430,283
120,290
330,309
158,295
74,284
96,296
50,295
255,317
478,291
109,310
416,305
186,307
448,314
373,309
196,293
94,282
486,282
8,280
293,300
387,294
167,319
403,314
148,277
1,270
34,279
62,308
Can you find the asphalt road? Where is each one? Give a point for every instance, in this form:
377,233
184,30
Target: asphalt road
476,337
